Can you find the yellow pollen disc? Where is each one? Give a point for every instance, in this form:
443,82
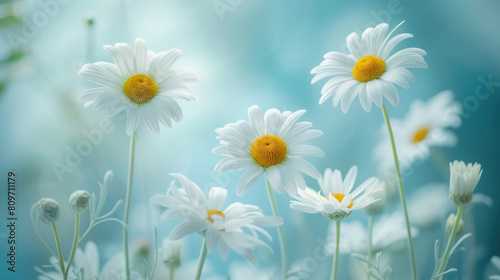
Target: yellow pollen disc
140,88
339,198
211,212
368,68
420,135
268,150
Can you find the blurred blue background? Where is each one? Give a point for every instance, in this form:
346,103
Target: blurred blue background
246,52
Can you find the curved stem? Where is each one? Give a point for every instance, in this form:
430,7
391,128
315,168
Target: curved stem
76,240
127,204
447,251
201,259
59,251
281,233
337,245
401,194
370,242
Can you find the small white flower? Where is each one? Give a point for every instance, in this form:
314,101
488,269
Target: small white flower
79,200
141,82
207,216
426,125
495,260
48,210
463,181
274,144
368,70
338,198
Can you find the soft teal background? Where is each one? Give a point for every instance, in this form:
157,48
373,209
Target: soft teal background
257,52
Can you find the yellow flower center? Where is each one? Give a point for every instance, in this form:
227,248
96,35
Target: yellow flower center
140,88
339,198
211,212
420,135
268,150
368,68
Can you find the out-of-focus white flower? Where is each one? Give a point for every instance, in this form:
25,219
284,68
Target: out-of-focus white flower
388,230
79,200
338,198
274,144
463,181
48,210
495,260
426,125
368,70
245,271
85,266
207,216
378,206
141,82
429,205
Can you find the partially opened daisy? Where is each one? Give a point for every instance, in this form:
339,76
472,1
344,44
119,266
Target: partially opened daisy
274,144
337,199
426,125
234,227
142,82
369,70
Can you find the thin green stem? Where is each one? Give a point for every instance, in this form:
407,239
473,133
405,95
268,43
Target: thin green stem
76,239
337,245
59,251
201,259
171,273
370,242
401,194
281,233
127,204
447,251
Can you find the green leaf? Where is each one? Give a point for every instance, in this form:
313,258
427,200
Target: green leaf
10,21
15,56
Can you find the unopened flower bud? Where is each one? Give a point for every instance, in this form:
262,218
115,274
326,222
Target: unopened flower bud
450,222
79,200
463,181
48,210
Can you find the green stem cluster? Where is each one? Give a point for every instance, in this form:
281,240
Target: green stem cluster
449,245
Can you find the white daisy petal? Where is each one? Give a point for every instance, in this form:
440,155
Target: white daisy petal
248,179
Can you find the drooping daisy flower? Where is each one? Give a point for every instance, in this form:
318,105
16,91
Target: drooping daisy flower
141,82
274,144
368,70
206,215
426,125
463,180
338,198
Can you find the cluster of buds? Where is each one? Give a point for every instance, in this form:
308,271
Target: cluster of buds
48,208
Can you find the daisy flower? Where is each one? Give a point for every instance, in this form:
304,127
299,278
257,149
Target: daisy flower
368,70
463,180
273,144
338,198
141,82
426,125
207,216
